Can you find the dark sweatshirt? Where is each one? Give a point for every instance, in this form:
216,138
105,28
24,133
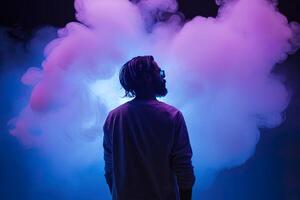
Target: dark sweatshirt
147,152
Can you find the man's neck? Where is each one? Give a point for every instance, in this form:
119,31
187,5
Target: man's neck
145,97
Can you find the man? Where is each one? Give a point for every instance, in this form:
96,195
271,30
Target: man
147,151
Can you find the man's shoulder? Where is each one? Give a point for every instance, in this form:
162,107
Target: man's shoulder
160,106
174,113
119,109
168,107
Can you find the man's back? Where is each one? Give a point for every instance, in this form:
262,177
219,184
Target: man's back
147,151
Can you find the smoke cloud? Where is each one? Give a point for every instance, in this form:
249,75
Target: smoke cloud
218,71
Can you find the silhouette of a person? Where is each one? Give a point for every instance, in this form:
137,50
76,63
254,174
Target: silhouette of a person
147,151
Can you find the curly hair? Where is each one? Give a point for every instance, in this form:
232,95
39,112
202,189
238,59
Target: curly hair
131,73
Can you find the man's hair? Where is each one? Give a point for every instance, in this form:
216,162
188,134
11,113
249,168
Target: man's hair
131,73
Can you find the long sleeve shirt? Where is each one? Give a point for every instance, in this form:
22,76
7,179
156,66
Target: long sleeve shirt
147,151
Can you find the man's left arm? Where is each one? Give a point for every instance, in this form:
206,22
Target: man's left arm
107,145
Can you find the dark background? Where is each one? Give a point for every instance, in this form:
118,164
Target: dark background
272,173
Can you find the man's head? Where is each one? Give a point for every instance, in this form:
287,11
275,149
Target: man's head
141,76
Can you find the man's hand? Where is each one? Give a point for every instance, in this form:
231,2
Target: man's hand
185,194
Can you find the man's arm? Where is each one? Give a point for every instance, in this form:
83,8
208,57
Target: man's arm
181,159
107,145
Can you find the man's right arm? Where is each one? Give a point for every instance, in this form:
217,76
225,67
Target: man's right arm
181,159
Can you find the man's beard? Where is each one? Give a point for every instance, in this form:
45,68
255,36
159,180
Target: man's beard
161,90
